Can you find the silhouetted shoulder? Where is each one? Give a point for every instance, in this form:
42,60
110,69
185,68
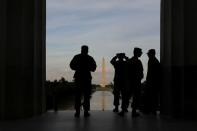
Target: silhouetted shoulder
135,68
74,62
90,57
134,60
92,63
83,63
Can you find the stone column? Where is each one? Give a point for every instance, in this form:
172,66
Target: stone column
178,59
22,68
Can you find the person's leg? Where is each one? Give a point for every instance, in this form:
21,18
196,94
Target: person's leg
154,102
77,103
127,98
116,94
87,96
86,104
78,95
124,104
135,103
147,100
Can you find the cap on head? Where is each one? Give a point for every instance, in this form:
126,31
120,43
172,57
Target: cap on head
120,54
137,50
84,49
151,52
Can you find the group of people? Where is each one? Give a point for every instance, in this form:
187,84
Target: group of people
127,81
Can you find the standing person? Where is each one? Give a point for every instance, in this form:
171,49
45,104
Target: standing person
135,75
83,64
119,62
153,80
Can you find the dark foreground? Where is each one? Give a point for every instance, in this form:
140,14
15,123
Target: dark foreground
98,121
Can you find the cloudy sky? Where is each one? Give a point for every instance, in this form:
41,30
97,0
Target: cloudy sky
106,26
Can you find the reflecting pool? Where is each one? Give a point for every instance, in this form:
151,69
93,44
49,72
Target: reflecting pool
101,100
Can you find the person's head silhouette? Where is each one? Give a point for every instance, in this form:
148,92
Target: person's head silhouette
151,53
84,49
120,56
137,52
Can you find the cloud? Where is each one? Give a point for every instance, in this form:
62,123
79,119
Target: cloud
95,5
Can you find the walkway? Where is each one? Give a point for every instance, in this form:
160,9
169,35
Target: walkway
98,121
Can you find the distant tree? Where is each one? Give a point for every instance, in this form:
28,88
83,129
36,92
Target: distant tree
62,80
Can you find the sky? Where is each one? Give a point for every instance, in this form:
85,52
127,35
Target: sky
106,26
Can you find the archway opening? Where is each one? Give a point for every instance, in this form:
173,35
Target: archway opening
107,27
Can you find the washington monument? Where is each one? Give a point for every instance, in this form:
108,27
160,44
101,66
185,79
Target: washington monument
103,79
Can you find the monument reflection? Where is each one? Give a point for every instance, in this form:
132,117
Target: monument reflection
102,100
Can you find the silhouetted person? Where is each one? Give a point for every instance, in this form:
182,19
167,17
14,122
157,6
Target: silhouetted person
135,75
83,64
153,80
119,62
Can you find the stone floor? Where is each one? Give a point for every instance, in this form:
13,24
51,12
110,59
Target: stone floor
98,121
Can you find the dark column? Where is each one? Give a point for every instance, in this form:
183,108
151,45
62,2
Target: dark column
178,58
190,46
2,53
22,68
